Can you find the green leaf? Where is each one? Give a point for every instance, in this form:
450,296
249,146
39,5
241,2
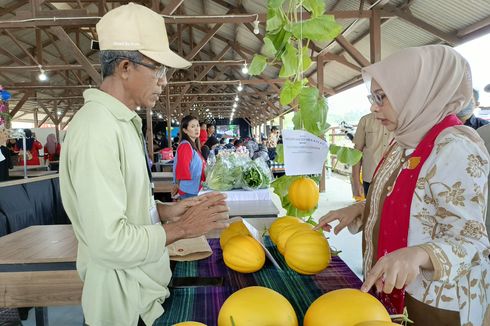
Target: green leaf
290,91
280,40
289,62
258,65
269,48
316,7
320,28
314,111
279,154
297,120
274,22
275,4
306,59
346,155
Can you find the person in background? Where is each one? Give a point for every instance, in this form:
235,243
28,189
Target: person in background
372,139
189,164
33,146
425,245
5,162
212,139
105,181
203,135
466,115
52,149
175,144
230,144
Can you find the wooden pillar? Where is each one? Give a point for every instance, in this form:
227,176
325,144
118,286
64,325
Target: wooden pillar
281,122
36,118
375,36
169,117
8,122
320,80
149,132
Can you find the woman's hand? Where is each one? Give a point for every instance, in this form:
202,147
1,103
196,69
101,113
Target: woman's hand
397,269
345,216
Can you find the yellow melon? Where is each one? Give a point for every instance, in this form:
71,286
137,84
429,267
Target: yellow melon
244,254
289,231
303,194
257,306
345,307
307,252
279,224
234,229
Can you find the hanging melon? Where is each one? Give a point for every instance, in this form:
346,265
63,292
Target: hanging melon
279,224
257,306
243,254
307,252
345,307
303,194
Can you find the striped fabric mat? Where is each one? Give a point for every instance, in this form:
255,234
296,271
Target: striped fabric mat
202,304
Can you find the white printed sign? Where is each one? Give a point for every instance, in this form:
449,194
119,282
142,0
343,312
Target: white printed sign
304,153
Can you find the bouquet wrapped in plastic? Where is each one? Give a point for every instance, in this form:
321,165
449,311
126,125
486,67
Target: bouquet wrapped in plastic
226,173
256,175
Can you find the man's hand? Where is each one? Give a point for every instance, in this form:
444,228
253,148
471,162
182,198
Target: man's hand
397,269
173,211
175,190
209,213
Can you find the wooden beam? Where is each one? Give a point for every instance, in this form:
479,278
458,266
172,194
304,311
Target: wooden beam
171,6
375,36
71,47
19,104
474,30
12,37
352,51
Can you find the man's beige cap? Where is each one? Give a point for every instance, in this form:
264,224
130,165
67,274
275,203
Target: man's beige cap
134,27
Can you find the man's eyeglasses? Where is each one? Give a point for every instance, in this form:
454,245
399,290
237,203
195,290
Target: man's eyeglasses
376,98
160,71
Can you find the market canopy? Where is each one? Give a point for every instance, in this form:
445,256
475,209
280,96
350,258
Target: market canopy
218,37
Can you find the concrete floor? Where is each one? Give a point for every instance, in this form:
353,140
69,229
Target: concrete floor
338,194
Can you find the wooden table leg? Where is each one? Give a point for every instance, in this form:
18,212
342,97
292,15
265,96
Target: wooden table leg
41,316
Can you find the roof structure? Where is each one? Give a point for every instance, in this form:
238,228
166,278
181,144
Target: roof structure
218,37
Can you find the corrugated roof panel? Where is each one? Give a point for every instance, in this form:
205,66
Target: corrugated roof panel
451,15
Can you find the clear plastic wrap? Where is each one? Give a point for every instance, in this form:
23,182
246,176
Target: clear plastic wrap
256,175
226,173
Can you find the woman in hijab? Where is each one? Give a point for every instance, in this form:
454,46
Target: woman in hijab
425,245
52,149
32,146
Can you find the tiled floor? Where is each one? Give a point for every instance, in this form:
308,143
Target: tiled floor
338,195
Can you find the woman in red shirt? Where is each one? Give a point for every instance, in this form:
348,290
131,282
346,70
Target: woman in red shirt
33,147
189,165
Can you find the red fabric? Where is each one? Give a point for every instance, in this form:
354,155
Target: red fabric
36,146
52,157
184,156
203,136
395,216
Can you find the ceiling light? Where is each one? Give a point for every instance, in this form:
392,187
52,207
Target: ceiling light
235,105
256,27
138,108
160,116
236,98
245,68
42,74
59,112
240,87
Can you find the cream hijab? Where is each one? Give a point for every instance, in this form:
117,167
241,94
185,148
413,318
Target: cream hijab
424,85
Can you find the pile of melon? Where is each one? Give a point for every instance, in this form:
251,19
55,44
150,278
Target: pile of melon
260,306
305,251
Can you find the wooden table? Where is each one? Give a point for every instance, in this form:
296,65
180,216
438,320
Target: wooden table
162,176
38,269
30,173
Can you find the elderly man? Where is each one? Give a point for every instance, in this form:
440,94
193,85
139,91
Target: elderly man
106,181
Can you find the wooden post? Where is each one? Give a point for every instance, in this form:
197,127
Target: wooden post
321,88
36,118
8,122
375,36
281,122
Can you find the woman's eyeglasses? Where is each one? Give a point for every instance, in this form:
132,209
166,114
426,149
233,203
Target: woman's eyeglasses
376,98
160,71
